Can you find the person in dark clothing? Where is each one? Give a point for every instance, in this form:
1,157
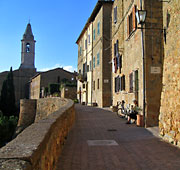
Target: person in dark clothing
133,113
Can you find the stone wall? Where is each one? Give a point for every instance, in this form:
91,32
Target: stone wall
169,119
69,92
47,106
39,146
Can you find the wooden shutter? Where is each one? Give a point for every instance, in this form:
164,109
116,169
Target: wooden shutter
115,83
131,83
114,49
123,82
134,17
120,85
117,48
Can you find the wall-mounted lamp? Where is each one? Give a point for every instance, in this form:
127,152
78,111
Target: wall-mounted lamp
141,16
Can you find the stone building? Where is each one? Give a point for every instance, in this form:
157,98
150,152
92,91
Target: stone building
26,69
94,56
169,124
41,80
127,58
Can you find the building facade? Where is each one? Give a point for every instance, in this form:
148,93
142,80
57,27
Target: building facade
169,119
94,56
127,57
42,80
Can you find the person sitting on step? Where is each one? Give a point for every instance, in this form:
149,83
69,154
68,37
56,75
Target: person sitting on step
133,113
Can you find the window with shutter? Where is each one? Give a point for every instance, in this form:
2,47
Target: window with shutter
93,62
114,49
134,17
86,44
90,65
119,84
89,39
98,28
115,83
131,83
98,59
98,84
120,63
123,82
130,23
117,48
136,81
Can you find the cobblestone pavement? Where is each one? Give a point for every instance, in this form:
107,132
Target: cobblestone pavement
100,140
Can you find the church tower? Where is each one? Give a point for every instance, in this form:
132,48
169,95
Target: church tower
27,49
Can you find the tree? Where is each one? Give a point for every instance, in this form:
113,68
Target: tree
7,100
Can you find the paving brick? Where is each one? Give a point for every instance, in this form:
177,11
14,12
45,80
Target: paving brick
138,149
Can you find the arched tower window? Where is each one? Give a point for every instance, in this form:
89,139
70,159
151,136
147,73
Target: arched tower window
27,47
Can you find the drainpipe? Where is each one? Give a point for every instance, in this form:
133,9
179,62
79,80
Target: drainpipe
143,67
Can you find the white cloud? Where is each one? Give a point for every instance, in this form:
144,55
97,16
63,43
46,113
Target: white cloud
67,68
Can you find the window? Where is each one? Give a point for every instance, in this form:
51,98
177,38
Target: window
131,82
132,21
27,47
119,83
123,85
90,65
84,86
117,62
93,62
94,85
87,68
98,84
89,39
115,14
136,81
98,28
94,34
86,44
97,59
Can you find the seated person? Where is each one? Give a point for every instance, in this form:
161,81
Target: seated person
133,113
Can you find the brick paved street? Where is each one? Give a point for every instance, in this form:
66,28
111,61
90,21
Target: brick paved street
137,148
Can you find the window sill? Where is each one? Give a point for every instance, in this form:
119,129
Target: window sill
131,34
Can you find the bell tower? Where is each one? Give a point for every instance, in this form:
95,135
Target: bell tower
27,49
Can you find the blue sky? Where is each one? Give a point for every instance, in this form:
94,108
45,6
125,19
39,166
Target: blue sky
56,26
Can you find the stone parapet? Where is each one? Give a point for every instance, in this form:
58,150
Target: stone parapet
39,146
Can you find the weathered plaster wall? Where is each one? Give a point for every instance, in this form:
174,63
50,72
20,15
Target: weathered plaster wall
169,119
39,146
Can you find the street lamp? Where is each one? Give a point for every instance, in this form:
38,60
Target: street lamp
141,17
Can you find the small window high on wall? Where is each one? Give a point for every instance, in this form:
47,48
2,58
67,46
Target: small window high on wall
27,47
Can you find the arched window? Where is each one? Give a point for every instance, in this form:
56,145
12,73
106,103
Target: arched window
27,47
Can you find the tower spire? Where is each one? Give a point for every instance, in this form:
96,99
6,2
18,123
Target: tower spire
28,48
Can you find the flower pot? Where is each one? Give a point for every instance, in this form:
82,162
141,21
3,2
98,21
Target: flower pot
140,120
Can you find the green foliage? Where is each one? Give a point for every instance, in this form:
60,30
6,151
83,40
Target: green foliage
54,88
76,101
7,128
68,84
7,100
